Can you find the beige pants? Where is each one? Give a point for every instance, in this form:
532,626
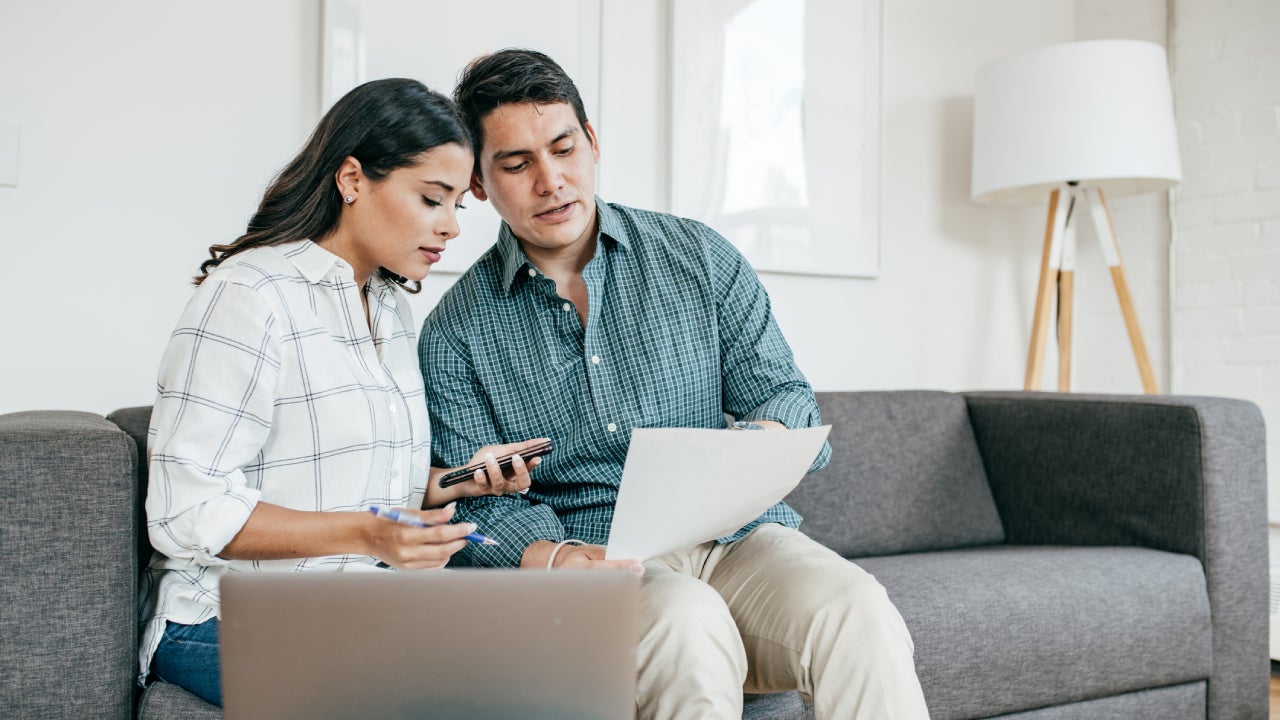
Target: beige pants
771,612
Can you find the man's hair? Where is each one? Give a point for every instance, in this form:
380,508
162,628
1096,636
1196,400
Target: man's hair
513,75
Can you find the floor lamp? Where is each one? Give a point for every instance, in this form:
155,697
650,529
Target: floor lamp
1073,124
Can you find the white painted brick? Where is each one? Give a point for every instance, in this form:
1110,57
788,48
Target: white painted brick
1268,63
1198,52
1271,233
1261,293
1203,269
1213,323
1221,380
1194,212
1217,241
1259,350
1246,151
1262,321
1218,294
1260,205
1225,181
1216,128
1196,157
1197,19
1259,266
1269,175
1246,42
1244,90
1260,121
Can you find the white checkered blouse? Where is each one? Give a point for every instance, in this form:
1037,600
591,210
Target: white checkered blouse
273,388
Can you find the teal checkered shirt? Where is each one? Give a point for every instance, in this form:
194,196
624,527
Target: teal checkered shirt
679,332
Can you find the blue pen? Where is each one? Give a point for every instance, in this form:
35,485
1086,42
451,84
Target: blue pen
394,515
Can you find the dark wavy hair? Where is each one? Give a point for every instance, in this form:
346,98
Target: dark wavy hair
513,75
386,125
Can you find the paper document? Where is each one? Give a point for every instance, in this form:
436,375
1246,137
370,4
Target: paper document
684,486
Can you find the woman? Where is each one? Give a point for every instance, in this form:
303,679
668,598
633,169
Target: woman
290,400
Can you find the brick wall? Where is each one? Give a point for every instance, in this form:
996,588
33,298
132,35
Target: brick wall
1225,274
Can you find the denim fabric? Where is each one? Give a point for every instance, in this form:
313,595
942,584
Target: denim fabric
188,657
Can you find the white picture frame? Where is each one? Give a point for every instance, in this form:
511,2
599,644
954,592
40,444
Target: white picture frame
775,129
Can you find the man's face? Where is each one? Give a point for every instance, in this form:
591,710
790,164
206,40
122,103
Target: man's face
539,172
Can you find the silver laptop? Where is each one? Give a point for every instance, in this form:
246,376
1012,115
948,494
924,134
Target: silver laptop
475,644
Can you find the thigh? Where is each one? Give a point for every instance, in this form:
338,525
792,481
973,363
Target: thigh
784,590
188,657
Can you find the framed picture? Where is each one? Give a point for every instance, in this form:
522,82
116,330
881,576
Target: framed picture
776,129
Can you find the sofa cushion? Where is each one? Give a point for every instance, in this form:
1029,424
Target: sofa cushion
1011,628
905,476
165,701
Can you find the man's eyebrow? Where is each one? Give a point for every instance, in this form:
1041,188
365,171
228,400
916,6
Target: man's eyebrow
501,155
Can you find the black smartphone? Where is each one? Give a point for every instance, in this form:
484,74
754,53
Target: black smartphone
504,462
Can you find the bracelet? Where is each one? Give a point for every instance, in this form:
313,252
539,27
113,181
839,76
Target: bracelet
556,551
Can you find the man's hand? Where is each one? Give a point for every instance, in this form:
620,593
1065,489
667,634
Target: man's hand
489,481
574,557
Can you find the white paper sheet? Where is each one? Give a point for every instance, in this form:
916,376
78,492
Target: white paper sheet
684,486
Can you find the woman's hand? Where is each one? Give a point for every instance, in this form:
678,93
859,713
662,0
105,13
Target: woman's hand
410,548
487,481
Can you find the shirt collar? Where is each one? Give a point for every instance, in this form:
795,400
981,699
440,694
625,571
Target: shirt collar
313,261
512,259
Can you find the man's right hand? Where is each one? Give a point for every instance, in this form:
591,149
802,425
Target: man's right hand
574,557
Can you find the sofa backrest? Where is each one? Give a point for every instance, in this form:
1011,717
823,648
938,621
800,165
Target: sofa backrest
135,421
905,476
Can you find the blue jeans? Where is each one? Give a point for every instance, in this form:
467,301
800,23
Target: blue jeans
188,657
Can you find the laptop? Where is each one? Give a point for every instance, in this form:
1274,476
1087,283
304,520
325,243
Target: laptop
475,644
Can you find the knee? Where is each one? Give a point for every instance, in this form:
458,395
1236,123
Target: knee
684,609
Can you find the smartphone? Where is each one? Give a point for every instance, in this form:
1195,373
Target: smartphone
504,462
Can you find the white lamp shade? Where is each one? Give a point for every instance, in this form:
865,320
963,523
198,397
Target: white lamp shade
1099,113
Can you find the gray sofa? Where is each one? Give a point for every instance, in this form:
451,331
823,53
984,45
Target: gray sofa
1055,556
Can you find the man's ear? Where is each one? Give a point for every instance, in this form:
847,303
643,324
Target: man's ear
477,189
595,142
348,177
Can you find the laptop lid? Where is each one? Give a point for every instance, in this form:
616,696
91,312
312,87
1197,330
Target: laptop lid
476,644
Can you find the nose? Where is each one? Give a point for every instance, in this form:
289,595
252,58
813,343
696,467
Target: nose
549,179
449,228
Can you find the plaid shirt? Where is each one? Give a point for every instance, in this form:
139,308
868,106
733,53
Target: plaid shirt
272,388
679,332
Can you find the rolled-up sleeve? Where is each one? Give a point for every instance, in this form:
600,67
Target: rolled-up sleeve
462,422
212,418
760,376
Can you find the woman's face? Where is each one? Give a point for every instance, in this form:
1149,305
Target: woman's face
403,221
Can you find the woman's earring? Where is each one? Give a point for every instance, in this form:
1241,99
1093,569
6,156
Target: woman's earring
349,199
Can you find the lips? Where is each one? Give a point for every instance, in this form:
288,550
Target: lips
431,254
557,213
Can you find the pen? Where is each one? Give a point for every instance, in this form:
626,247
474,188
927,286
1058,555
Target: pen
394,515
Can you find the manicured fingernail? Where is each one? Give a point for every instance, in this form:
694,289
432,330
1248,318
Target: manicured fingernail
517,459
450,505
488,456
524,491
471,527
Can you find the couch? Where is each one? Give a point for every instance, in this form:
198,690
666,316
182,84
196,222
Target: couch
1055,556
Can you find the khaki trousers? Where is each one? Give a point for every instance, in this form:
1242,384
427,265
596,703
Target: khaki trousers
771,612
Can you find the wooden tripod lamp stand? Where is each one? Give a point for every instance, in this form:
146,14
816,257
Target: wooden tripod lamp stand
1070,122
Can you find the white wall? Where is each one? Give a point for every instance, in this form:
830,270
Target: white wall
149,130
1227,250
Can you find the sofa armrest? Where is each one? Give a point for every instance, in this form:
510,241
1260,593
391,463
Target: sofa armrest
1180,474
68,572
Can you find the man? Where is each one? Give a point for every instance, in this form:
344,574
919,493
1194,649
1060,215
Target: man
587,320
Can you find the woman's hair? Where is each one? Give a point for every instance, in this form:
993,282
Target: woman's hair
513,75
384,124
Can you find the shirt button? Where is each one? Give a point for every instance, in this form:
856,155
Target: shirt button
566,307
595,359
393,408
612,427
395,473
533,273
